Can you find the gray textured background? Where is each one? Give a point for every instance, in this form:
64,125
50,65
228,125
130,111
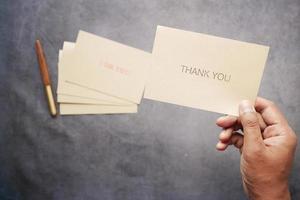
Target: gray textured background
164,151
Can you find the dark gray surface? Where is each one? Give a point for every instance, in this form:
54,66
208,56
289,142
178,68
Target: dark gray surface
164,151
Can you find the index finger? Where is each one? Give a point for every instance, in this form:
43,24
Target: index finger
269,112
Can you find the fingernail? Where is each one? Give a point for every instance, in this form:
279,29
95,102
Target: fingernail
246,107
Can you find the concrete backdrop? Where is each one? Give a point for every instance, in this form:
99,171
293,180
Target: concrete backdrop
162,152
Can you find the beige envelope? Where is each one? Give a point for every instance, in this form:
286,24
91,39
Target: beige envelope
109,67
203,71
72,93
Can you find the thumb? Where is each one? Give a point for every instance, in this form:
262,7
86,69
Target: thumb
250,123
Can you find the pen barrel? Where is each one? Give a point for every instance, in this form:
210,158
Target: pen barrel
50,100
42,63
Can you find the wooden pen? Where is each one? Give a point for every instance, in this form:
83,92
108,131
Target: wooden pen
45,77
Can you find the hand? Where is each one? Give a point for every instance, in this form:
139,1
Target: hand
267,148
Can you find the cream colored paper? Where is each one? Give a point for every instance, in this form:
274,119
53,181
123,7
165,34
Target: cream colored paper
67,92
76,109
203,71
77,104
65,98
72,93
109,67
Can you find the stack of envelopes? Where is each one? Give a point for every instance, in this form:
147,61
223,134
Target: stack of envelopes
100,76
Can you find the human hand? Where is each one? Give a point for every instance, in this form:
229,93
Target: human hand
267,148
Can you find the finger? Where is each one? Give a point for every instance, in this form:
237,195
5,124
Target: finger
237,140
226,121
221,146
225,135
270,113
250,123
262,123
235,123
272,131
